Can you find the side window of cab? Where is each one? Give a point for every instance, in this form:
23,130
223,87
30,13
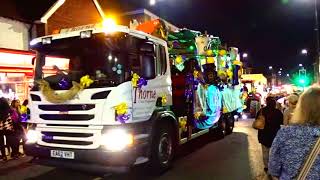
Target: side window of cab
147,57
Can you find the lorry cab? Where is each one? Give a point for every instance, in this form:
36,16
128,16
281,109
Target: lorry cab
97,110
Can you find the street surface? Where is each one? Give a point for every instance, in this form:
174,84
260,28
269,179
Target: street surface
236,157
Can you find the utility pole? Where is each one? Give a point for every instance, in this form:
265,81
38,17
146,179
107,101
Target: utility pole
316,29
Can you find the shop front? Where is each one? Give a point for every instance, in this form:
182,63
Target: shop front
16,72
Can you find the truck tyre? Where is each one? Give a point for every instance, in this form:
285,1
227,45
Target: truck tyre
229,125
162,149
222,127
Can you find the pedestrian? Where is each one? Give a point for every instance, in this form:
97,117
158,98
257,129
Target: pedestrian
6,127
18,129
273,120
293,143
25,117
25,111
288,112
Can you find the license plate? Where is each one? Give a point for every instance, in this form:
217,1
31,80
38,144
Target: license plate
62,154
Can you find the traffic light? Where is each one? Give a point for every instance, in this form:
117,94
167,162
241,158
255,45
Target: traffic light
301,81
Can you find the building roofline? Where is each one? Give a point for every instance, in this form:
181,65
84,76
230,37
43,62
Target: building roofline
99,8
51,11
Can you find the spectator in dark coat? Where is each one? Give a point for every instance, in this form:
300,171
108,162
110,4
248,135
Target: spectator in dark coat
273,121
6,127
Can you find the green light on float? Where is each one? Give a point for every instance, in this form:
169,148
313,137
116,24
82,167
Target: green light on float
191,48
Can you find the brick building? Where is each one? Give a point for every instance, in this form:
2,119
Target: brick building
21,21
72,13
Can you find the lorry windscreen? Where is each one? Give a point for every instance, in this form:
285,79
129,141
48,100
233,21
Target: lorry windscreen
104,58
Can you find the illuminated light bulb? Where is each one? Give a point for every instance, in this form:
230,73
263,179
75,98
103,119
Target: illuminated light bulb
109,25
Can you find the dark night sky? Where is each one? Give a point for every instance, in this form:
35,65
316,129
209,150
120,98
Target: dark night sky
271,31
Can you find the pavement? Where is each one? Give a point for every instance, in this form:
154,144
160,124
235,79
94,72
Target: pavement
236,157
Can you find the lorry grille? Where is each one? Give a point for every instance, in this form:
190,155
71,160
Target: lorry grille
67,107
79,143
68,138
67,134
64,117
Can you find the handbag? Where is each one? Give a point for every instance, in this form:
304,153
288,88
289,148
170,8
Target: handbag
310,161
259,122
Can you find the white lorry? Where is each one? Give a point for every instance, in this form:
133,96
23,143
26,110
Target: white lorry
113,107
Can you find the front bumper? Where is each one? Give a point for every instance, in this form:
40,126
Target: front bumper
84,158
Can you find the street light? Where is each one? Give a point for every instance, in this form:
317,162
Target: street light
300,65
152,2
304,51
270,67
288,75
245,55
316,30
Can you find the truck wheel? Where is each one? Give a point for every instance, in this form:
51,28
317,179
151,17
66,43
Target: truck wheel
222,128
162,149
230,125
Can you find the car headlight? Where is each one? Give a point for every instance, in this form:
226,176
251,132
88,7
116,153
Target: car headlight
116,139
32,136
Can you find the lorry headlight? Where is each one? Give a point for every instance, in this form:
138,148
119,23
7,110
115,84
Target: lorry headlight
116,139
32,136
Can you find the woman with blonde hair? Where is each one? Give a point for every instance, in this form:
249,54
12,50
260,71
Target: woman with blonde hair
293,143
288,112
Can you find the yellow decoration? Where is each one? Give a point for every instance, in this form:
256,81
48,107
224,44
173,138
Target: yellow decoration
23,109
121,109
54,97
164,100
225,110
222,63
179,59
197,115
195,74
229,73
209,52
210,60
222,52
183,124
237,62
222,73
85,81
135,79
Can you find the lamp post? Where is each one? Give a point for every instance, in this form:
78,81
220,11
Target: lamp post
316,29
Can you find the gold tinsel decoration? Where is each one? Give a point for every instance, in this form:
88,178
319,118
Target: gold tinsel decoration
54,97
